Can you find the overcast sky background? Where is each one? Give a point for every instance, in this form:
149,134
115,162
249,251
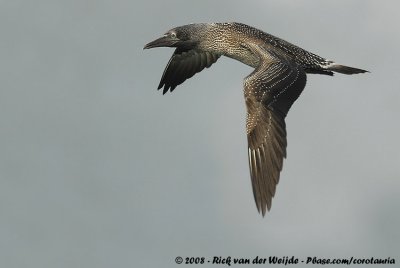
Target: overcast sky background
98,169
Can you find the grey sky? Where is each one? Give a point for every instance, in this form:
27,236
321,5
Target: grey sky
98,169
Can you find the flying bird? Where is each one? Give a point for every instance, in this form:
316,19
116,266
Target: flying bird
277,81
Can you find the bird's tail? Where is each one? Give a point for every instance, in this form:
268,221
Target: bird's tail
344,69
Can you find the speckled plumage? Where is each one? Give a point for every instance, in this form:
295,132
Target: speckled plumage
278,79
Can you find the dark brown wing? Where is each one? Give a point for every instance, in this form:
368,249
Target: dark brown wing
270,90
183,65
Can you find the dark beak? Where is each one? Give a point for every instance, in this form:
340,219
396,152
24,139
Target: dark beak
165,41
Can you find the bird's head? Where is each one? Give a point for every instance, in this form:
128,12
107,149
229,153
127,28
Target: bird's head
183,37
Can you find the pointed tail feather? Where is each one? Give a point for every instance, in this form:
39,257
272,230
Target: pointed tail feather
344,69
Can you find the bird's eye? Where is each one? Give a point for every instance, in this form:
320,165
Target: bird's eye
173,34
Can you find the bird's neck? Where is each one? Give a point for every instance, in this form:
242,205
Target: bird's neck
225,39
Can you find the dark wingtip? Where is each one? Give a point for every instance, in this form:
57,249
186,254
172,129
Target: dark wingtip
262,209
165,90
263,213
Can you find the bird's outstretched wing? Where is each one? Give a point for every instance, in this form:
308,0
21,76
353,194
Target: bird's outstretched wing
183,65
270,90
